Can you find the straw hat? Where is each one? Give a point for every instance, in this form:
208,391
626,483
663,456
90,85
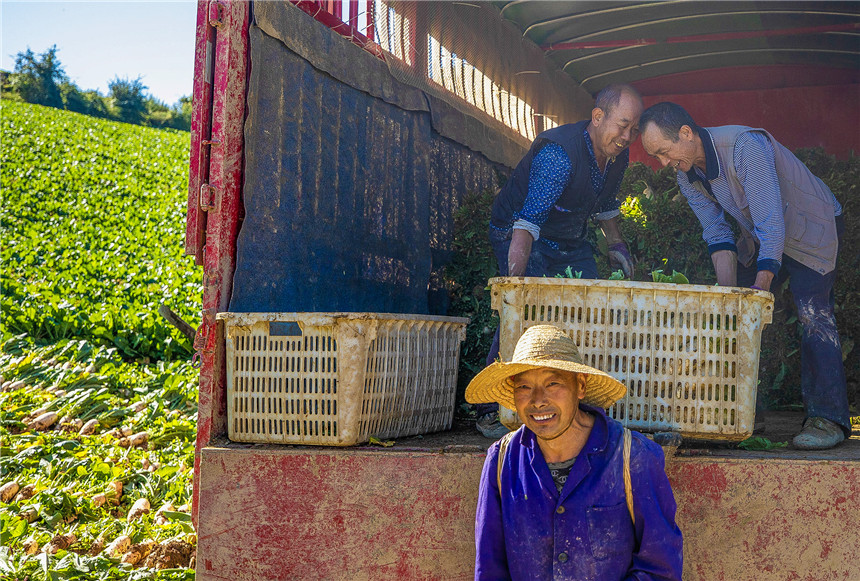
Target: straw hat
542,346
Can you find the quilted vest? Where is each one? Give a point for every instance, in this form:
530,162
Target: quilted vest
568,219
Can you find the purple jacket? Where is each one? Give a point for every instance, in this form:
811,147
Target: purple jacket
585,533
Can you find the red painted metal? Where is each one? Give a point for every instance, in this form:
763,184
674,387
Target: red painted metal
279,513
746,78
701,37
368,14
222,224
201,116
348,30
813,116
353,13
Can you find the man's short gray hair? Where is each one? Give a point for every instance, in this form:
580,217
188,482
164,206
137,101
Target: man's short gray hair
610,95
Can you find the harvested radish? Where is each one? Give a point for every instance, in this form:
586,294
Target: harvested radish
122,432
59,543
14,385
29,514
138,509
26,493
8,491
138,552
135,440
43,422
96,548
89,428
118,546
31,546
114,492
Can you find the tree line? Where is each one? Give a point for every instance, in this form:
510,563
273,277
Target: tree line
41,79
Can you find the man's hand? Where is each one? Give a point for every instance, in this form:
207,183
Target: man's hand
619,257
519,251
763,278
726,267
619,254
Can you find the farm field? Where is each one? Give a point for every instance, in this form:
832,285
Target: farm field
97,392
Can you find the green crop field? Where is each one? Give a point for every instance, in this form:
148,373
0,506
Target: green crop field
97,394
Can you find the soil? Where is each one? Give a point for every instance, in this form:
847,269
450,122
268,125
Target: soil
170,555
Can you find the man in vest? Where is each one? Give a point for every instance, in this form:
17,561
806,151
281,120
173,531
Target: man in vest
570,174
790,226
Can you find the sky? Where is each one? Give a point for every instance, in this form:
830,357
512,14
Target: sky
99,41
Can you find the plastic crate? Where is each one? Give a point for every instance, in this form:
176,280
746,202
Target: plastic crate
689,354
336,379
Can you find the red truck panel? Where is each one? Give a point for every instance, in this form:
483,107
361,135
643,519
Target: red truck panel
223,199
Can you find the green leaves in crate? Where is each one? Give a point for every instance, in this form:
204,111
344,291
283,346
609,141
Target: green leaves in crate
675,278
569,273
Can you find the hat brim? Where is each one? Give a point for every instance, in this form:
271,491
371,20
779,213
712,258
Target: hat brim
493,383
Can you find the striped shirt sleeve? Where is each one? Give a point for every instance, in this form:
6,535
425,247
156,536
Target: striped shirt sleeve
549,174
756,169
716,231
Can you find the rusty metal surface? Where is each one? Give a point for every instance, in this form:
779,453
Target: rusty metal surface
275,512
201,117
353,516
222,222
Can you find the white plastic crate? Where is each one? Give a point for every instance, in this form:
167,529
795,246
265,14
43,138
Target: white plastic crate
337,379
689,354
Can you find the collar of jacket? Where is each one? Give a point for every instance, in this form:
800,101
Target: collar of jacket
712,162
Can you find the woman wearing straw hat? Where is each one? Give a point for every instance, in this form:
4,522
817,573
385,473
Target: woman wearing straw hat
571,494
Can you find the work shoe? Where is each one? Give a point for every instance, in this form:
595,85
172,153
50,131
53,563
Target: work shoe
490,426
818,434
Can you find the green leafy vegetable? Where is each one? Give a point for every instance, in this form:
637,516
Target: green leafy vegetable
570,273
92,220
675,278
759,443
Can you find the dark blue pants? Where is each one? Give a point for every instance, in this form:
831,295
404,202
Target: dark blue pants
822,375
543,261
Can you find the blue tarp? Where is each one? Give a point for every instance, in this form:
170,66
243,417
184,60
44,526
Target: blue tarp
348,198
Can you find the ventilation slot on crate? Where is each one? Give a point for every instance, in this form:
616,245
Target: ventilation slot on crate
339,378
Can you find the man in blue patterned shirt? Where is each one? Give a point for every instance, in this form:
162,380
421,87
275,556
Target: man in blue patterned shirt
571,174
790,226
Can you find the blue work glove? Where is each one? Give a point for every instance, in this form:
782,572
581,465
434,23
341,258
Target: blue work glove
619,257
